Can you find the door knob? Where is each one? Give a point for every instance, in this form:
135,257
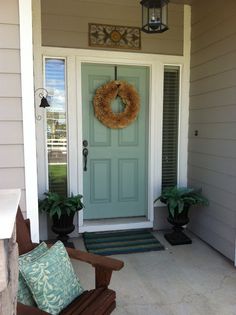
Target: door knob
85,143
85,155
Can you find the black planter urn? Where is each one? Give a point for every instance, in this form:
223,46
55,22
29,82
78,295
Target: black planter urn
177,237
63,226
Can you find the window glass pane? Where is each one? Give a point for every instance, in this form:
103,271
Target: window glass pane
55,83
170,126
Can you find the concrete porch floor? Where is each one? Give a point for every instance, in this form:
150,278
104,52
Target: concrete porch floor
182,280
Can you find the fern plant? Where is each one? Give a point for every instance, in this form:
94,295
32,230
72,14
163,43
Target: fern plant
57,205
176,198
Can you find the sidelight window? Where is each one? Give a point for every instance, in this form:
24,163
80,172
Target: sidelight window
57,150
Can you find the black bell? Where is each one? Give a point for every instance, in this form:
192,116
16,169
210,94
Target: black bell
44,102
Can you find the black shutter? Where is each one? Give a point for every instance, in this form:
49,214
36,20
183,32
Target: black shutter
170,126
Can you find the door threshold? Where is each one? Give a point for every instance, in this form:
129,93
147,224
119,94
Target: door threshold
116,224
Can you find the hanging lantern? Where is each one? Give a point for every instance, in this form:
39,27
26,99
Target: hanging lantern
154,16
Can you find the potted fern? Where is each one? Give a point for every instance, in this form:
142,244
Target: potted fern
61,209
178,201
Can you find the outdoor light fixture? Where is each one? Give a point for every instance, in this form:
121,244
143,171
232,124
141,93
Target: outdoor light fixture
154,16
43,95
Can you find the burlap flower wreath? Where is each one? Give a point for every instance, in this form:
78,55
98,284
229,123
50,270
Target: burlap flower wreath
104,97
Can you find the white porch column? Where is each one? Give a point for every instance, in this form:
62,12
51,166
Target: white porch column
27,86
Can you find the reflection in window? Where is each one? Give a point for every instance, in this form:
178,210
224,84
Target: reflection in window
55,83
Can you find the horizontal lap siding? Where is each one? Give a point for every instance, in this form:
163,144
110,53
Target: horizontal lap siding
65,23
11,125
212,154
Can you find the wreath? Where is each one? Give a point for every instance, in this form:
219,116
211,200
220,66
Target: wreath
104,97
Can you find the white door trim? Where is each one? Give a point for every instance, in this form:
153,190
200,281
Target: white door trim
154,142
75,57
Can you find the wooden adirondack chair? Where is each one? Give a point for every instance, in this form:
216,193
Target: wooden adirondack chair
100,301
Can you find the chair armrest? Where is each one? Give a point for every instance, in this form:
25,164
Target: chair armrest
103,265
95,260
29,310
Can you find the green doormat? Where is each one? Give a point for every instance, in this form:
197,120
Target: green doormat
121,242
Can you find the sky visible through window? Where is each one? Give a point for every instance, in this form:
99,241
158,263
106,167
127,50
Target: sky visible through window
55,83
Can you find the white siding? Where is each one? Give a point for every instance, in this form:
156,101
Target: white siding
212,154
11,131
65,23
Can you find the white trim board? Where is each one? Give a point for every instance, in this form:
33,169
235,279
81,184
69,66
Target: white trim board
27,90
184,100
116,226
110,57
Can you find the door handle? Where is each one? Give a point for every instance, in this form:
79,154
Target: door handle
85,155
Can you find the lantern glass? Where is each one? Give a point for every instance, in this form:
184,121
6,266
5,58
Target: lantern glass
154,16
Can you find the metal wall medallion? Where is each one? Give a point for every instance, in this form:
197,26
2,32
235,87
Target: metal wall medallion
114,36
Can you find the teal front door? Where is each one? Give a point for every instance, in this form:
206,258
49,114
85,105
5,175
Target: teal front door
115,180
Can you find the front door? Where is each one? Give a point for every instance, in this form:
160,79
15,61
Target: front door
115,180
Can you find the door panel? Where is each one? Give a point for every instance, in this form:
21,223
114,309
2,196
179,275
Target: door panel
115,183
100,169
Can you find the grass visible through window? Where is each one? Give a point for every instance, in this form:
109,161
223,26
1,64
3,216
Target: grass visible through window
58,178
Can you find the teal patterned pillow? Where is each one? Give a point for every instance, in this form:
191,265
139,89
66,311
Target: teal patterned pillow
24,295
52,280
